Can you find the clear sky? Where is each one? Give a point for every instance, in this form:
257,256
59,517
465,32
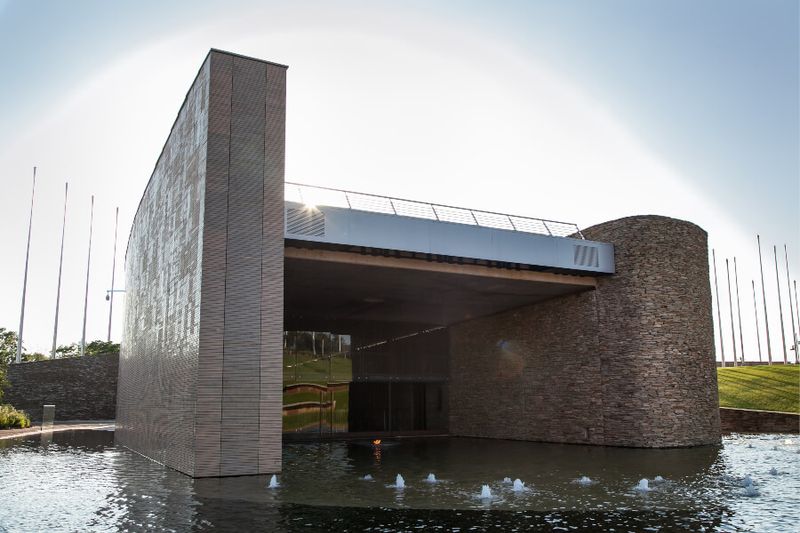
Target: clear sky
582,111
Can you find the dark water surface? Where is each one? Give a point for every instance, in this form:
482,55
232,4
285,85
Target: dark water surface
79,481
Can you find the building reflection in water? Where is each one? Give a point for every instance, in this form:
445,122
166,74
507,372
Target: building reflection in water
93,485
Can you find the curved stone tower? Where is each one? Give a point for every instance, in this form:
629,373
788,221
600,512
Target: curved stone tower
630,363
656,334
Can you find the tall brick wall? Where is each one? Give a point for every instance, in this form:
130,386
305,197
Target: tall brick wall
628,364
81,388
201,362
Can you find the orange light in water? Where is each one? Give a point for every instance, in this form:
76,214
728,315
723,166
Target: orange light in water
376,442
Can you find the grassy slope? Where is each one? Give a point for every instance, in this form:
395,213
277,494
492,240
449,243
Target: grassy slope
309,368
314,369
769,388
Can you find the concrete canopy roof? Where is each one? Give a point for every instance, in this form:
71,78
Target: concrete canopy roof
326,289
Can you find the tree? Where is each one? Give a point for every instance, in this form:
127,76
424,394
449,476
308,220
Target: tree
3,380
98,347
8,349
35,356
8,353
68,350
8,346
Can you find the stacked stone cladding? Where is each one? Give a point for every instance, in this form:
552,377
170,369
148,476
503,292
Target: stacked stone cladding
630,363
752,421
81,388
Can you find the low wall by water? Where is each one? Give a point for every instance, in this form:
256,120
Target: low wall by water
729,364
81,388
752,421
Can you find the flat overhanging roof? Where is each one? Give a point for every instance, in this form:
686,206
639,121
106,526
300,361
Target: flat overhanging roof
389,260
327,289
383,223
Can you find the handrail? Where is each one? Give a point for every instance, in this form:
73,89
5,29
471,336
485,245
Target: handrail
359,201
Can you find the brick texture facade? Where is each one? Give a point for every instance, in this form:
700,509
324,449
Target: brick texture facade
200,369
628,364
81,388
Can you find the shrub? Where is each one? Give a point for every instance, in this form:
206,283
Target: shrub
11,418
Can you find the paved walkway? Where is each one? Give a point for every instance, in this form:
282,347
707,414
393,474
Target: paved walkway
68,425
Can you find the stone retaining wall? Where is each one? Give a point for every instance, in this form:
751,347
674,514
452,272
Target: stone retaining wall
752,421
81,388
730,364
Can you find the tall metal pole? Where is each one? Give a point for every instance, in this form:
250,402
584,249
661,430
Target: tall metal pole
86,293
60,265
791,310
719,314
730,308
755,313
797,311
25,277
780,306
113,272
738,308
764,299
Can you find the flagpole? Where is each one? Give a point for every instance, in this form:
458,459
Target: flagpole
25,277
719,315
764,299
60,265
86,293
797,311
730,308
755,313
791,310
738,307
780,305
113,272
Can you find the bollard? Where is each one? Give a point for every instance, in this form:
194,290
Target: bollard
48,416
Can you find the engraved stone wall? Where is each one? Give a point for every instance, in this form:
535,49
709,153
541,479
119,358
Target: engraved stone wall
200,374
163,264
628,364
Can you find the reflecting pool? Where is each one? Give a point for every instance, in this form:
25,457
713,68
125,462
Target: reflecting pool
80,481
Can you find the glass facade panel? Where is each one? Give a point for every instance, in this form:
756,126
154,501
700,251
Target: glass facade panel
333,384
317,370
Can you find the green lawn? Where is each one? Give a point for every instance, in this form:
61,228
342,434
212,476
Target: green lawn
768,388
304,367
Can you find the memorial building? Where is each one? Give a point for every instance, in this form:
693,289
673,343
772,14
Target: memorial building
260,310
